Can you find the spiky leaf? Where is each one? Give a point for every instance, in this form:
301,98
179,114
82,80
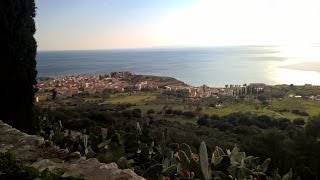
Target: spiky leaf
186,148
223,162
264,166
185,161
204,161
153,172
243,173
104,144
307,174
122,163
232,170
173,146
275,174
251,162
166,163
218,152
170,171
196,168
128,138
287,176
236,156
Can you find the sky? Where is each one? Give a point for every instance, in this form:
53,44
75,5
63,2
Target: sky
116,24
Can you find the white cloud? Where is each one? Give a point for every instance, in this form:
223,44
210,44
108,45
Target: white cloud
234,22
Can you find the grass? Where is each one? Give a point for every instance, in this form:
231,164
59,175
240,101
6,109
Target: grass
133,98
240,107
310,106
144,101
249,108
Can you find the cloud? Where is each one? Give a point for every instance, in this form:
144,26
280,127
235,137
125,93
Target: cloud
234,22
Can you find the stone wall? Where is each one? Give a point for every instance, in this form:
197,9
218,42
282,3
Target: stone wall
35,151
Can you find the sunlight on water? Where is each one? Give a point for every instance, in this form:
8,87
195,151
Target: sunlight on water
297,77
301,65
299,54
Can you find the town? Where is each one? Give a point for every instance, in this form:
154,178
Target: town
68,86
125,81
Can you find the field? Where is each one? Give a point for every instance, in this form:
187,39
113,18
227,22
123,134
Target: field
144,101
148,100
132,98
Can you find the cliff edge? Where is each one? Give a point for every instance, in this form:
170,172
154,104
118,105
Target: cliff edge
36,152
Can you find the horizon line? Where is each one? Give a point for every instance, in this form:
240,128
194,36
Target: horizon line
166,47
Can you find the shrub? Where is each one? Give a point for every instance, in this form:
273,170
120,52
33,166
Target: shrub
150,111
298,121
301,113
189,114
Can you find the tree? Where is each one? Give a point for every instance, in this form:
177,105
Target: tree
18,64
203,121
54,94
298,121
262,97
313,126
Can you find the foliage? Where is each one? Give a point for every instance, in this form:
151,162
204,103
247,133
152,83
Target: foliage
18,62
10,168
139,140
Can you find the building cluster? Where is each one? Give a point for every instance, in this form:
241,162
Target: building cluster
64,87
69,86
312,97
201,92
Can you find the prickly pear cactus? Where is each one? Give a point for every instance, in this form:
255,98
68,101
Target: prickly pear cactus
153,172
186,148
204,161
170,171
185,161
122,163
264,166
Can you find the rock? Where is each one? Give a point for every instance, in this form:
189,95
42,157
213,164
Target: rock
36,152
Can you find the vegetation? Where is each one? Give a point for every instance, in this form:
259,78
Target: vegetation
146,134
18,64
149,131
10,168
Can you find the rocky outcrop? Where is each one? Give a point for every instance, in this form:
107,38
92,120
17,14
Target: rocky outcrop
35,151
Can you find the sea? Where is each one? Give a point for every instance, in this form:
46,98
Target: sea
212,66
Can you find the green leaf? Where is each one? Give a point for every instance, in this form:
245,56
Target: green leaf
307,174
218,152
204,161
122,163
166,163
31,171
232,170
251,162
174,146
128,138
288,176
243,173
186,148
195,167
275,174
220,175
153,172
223,162
170,171
236,156
264,166
103,144
185,161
